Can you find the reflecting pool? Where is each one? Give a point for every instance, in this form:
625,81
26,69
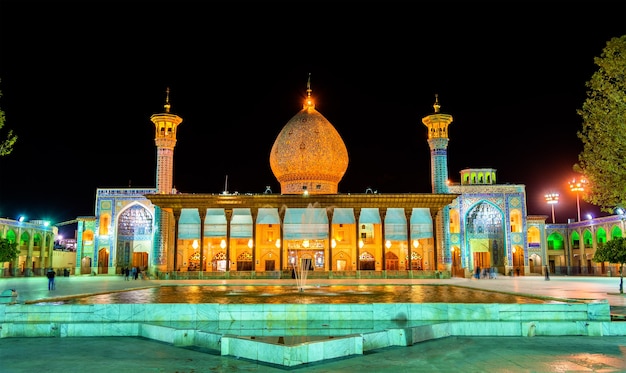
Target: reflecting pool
281,294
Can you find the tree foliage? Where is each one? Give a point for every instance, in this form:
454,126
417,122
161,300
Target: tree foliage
603,134
8,250
613,251
6,145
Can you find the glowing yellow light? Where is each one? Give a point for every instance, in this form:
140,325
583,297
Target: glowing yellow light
305,243
388,244
578,185
278,243
195,244
250,243
223,244
552,198
333,243
416,243
361,244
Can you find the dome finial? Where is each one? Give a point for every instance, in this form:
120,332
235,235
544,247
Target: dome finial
167,100
309,101
436,105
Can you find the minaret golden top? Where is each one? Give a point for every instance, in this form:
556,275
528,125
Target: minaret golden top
436,105
167,105
309,104
437,122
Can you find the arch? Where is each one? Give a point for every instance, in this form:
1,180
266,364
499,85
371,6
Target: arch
515,216
518,264
556,241
457,266
455,221
601,235
342,260
534,236
88,236
24,239
134,235
367,261
37,240
268,261
85,265
244,261
219,262
484,227
616,231
535,263
103,261
105,220
11,236
392,262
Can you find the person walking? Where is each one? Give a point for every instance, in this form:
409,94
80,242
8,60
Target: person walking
126,274
50,276
547,273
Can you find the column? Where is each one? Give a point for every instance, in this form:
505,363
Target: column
229,215
357,214
383,212
254,212
329,261
176,214
408,264
202,212
28,265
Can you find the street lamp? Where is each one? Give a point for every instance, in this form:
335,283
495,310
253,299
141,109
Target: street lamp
578,186
552,199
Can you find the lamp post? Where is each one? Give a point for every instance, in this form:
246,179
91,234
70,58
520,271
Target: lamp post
578,186
552,199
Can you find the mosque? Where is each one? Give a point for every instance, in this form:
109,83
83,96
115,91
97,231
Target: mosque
311,226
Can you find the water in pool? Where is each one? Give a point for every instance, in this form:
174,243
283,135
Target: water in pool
281,294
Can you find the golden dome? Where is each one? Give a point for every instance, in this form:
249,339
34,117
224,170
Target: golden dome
309,154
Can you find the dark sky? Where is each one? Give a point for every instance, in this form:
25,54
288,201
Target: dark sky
80,81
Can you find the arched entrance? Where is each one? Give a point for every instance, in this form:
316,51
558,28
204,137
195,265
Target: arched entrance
85,266
140,260
518,260
457,270
103,261
367,262
244,261
219,263
391,261
485,236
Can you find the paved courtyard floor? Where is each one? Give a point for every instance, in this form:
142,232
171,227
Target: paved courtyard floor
463,354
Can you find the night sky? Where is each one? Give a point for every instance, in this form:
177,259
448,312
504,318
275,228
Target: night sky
80,81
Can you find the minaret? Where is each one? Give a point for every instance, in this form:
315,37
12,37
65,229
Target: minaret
437,124
165,140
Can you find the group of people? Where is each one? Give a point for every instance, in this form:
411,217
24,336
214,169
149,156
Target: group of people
128,272
485,273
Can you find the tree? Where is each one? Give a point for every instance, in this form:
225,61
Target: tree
603,134
6,145
613,251
8,250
